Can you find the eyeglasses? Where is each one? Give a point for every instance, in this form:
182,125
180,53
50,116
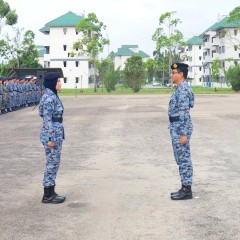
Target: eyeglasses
174,72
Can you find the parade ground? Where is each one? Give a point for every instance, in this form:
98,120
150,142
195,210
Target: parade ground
117,171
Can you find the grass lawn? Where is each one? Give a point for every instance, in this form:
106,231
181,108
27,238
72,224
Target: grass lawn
153,90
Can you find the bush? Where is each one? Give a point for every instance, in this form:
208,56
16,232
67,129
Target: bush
232,75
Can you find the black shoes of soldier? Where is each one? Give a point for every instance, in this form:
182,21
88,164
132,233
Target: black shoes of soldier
183,194
51,197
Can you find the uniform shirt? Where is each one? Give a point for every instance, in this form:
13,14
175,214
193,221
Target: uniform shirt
51,107
180,103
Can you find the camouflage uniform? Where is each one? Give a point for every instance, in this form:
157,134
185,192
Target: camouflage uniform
51,110
179,106
1,96
5,97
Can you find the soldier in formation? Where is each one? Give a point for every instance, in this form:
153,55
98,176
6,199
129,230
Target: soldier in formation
16,93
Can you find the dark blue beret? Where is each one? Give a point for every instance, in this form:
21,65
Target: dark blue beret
181,66
50,76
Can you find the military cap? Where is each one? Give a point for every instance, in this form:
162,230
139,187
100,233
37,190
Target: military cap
51,76
181,66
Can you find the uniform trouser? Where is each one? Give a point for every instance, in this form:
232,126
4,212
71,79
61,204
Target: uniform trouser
53,156
182,156
1,102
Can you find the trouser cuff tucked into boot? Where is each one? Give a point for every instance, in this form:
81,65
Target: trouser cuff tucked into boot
184,193
51,197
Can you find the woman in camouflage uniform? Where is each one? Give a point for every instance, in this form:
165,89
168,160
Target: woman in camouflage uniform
52,134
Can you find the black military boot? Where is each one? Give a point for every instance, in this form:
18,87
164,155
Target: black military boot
173,193
184,193
51,197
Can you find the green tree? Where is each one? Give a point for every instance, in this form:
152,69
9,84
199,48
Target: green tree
150,69
168,38
7,16
161,63
92,42
234,17
3,70
11,48
216,67
111,78
29,52
20,50
134,73
232,76
107,75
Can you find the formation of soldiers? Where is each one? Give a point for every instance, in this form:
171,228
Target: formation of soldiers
17,93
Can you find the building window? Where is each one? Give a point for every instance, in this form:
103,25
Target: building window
65,31
220,50
77,79
200,47
64,47
200,58
77,63
223,49
239,55
200,79
90,65
200,68
64,63
65,80
235,32
76,31
223,64
235,48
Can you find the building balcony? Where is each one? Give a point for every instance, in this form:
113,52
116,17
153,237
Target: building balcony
215,56
207,45
207,58
216,41
46,57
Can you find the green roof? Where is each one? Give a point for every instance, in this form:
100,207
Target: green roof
69,19
196,40
222,24
126,51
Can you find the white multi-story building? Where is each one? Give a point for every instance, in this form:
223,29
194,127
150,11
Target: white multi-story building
62,34
193,56
220,42
125,52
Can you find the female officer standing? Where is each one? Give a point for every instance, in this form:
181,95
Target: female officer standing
52,134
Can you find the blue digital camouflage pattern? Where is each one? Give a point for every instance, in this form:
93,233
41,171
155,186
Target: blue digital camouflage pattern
1,97
179,106
51,107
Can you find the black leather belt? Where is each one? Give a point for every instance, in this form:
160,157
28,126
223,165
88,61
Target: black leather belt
174,119
60,119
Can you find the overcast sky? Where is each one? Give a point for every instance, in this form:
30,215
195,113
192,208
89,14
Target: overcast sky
128,22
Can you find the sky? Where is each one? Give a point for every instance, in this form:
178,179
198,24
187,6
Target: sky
127,22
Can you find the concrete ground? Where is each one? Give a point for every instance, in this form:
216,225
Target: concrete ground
118,170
